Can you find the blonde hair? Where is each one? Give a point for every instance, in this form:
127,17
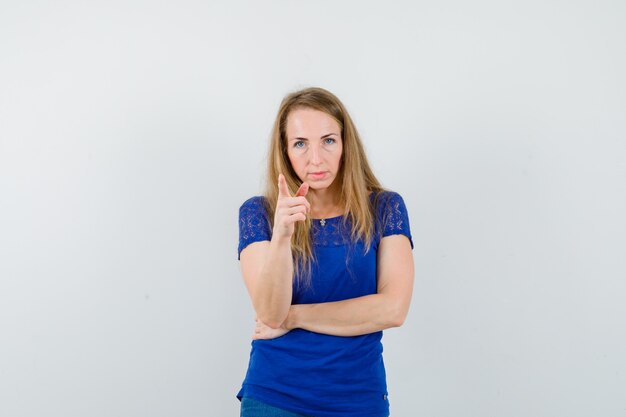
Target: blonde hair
355,175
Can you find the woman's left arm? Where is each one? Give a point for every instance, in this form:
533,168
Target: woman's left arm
368,314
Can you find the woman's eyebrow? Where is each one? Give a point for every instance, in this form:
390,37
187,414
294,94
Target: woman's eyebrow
326,135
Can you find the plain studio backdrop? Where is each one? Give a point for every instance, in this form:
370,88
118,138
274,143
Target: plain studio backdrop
132,131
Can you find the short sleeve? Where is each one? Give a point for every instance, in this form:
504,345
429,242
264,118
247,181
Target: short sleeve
393,215
254,225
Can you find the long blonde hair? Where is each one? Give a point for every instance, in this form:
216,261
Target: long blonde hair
355,175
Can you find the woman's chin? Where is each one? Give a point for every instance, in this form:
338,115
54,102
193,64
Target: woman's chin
319,185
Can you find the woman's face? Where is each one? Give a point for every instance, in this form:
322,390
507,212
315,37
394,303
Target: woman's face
314,147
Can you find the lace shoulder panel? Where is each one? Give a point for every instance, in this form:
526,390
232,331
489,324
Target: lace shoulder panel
392,215
254,224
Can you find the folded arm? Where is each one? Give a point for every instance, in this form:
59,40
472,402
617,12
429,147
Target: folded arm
371,313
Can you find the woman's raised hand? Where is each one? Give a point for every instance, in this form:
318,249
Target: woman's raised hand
289,210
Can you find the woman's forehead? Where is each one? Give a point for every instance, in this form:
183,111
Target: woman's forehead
310,122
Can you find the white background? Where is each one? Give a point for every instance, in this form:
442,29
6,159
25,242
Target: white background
131,131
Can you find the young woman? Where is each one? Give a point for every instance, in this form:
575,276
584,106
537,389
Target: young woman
326,256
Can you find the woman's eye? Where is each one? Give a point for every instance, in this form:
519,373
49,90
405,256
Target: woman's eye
298,144
329,141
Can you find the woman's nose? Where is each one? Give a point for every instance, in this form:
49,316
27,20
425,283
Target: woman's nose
315,155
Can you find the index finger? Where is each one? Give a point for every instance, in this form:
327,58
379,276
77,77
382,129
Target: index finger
283,191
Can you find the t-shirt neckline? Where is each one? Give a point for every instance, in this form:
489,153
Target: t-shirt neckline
328,218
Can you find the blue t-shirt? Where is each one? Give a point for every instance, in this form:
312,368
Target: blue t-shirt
318,374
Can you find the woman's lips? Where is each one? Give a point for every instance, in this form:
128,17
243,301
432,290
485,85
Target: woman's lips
317,175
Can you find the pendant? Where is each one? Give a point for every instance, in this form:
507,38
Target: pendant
323,222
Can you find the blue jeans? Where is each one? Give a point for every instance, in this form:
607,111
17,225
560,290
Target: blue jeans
254,408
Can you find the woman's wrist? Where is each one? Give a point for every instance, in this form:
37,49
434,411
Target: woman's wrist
279,240
291,321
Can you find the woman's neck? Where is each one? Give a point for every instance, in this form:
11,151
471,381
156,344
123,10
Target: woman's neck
324,204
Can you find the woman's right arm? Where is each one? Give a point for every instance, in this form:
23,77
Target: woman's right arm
267,267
